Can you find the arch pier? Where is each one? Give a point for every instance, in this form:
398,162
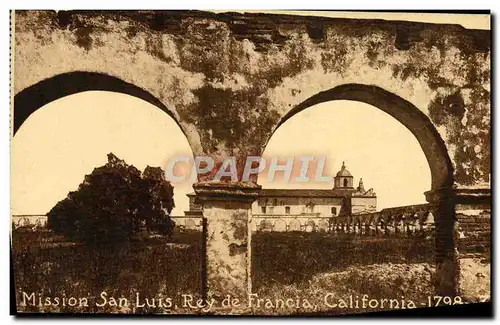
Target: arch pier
227,233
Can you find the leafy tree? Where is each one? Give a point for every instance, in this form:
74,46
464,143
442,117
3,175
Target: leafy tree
161,198
114,203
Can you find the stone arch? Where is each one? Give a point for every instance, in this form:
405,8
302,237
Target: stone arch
30,99
24,222
190,224
403,111
35,97
294,225
323,225
265,225
310,226
280,225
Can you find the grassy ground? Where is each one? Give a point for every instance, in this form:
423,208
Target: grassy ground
312,267
294,257
284,265
155,267
341,291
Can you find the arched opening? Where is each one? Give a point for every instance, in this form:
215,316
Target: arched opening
280,225
24,222
265,225
397,111
294,225
66,139
400,109
29,100
415,143
323,226
383,158
190,224
62,131
310,226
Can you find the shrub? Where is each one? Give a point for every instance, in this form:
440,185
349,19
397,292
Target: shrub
114,203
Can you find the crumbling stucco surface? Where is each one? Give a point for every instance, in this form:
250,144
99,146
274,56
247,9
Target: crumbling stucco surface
227,251
229,79
473,224
475,280
226,210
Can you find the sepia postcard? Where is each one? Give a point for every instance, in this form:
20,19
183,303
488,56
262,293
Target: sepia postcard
250,163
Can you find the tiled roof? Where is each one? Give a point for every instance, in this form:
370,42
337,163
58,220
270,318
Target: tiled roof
343,172
266,192
338,192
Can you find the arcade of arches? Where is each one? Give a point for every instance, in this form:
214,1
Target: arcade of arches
230,80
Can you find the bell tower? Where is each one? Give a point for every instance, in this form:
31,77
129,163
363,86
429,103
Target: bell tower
344,179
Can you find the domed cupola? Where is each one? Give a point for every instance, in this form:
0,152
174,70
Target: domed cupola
344,179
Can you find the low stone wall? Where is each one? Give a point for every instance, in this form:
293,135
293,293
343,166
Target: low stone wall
407,221
188,223
283,223
31,221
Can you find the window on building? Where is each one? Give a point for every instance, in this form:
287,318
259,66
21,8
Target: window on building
345,182
287,210
271,210
263,209
334,211
275,201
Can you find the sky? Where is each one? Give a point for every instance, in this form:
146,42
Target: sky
66,139
470,21
373,145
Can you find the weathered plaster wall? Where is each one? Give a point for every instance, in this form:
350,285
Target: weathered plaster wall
475,280
363,204
230,78
473,229
227,249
